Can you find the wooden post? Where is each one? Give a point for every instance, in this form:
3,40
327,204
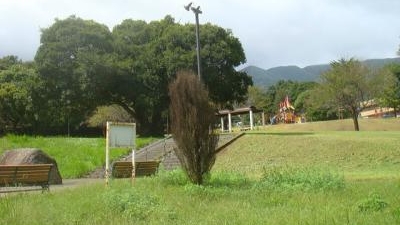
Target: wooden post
133,166
107,172
222,124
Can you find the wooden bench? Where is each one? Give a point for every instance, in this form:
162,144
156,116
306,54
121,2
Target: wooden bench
123,169
245,128
25,175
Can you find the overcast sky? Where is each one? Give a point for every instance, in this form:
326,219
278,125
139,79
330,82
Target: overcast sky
272,32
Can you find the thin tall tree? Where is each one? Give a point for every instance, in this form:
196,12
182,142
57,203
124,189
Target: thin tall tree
192,121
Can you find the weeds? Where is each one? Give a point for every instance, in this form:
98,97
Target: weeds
301,179
373,202
131,203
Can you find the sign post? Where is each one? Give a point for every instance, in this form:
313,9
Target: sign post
119,135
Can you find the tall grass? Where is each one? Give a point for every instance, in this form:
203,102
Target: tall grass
269,177
220,201
75,157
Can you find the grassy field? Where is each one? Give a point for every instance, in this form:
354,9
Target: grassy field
75,157
389,124
358,155
271,176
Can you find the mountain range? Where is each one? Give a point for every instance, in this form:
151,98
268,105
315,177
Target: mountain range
267,77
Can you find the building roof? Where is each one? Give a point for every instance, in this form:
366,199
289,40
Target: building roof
239,111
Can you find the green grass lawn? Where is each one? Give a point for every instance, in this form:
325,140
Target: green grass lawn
361,155
270,176
75,157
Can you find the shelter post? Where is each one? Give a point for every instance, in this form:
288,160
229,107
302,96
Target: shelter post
230,122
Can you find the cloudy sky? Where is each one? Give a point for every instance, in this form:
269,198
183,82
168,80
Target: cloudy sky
272,32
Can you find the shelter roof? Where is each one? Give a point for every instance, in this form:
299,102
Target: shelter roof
239,111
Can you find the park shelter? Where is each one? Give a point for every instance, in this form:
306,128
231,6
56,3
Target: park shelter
239,111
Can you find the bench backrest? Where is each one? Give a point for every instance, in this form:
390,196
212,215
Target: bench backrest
35,174
123,169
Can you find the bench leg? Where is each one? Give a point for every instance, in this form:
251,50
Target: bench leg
45,188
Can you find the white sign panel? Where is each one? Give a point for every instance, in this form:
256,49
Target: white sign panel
119,135
122,135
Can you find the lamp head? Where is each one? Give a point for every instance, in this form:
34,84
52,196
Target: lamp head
187,7
196,10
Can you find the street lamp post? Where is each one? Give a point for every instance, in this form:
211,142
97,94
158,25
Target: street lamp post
196,12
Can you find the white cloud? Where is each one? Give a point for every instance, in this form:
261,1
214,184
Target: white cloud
273,32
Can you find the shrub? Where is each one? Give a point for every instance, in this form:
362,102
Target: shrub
192,122
373,202
131,203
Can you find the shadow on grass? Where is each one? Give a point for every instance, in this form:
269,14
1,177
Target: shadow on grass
281,133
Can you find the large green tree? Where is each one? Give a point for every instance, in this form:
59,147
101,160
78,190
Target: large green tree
347,86
388,90
75,62
19,95
150,54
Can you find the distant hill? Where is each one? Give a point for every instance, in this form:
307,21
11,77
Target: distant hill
265,78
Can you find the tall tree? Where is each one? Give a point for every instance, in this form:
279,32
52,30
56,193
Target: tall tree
388,83
193,118
150,54
19,99
347,85
74,61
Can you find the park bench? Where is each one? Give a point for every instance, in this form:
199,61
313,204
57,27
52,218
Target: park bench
123,169
245,128
14,176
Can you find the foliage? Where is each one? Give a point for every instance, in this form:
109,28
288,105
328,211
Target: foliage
316,108
291,178
192,123
388,83
81,65
257,97
373,202
19,97
276,93
150,54
103,114
7,61
347,86
74,61
131,203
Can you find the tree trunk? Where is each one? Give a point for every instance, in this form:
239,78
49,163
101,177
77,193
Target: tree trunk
355,121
